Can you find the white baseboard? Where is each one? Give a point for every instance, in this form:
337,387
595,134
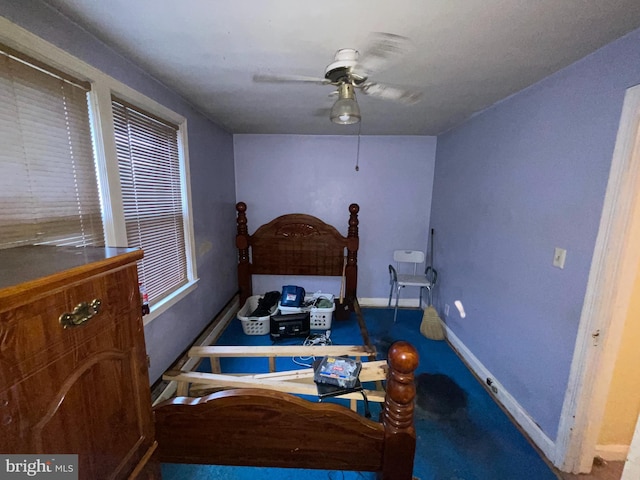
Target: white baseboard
384,302
502,396
612,453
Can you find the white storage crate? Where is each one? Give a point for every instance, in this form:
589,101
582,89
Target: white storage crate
320,317
254,325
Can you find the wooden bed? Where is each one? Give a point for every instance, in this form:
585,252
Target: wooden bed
266,428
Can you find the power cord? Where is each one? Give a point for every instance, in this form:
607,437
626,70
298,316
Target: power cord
318,339
315,339
367,412
318,300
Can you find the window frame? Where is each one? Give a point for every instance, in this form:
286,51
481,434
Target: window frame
103,87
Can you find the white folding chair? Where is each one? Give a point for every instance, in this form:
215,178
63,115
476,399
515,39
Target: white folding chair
404,260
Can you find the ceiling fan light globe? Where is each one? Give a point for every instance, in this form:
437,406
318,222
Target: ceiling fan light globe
346,110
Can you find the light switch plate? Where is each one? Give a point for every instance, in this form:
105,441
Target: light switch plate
559,256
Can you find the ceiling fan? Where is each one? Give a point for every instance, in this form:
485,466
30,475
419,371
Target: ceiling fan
350,71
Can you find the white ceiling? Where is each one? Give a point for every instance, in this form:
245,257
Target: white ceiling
465,55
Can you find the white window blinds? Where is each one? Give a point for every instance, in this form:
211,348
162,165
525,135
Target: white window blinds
150,178
48,185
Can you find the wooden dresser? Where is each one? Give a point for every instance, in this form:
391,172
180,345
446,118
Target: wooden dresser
82,388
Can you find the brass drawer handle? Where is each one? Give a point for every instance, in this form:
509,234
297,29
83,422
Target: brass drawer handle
82,313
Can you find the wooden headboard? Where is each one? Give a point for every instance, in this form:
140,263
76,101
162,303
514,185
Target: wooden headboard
297,244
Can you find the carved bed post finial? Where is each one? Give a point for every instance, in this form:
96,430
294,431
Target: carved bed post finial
353,243
242,244
397,414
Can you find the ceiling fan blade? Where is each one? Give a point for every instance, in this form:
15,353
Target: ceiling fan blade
387,92
384,49
290,79
322,112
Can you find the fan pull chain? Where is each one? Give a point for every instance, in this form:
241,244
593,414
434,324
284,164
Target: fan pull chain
358,150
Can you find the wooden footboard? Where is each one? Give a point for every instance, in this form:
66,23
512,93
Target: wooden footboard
256,427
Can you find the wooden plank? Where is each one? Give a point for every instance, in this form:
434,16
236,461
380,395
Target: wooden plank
182,389
288,387
215,364
299,376
219,380
281,351
371,372
365,333
363,327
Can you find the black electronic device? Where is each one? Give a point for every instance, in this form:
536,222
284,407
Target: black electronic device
291,325
327,390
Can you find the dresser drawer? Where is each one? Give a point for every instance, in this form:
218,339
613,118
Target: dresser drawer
32,337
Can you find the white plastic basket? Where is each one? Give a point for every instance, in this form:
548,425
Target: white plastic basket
320,317
254,325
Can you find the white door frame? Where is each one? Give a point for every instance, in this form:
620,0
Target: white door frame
632,465
611,279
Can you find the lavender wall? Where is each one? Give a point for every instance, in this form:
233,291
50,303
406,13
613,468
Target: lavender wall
212,182
512,183
277,174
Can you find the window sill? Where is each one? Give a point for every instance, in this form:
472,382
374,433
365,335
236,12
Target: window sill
166,303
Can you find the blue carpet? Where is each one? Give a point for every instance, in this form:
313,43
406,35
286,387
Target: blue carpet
476,442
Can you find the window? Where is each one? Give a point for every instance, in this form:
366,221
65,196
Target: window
48,187
87,160
149,166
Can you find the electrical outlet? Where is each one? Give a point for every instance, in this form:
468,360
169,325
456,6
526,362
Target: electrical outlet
446,309
492,386
559,256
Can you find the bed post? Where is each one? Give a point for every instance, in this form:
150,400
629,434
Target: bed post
397,413
242,244
353,242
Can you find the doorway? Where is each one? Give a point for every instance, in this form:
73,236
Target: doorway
609,289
